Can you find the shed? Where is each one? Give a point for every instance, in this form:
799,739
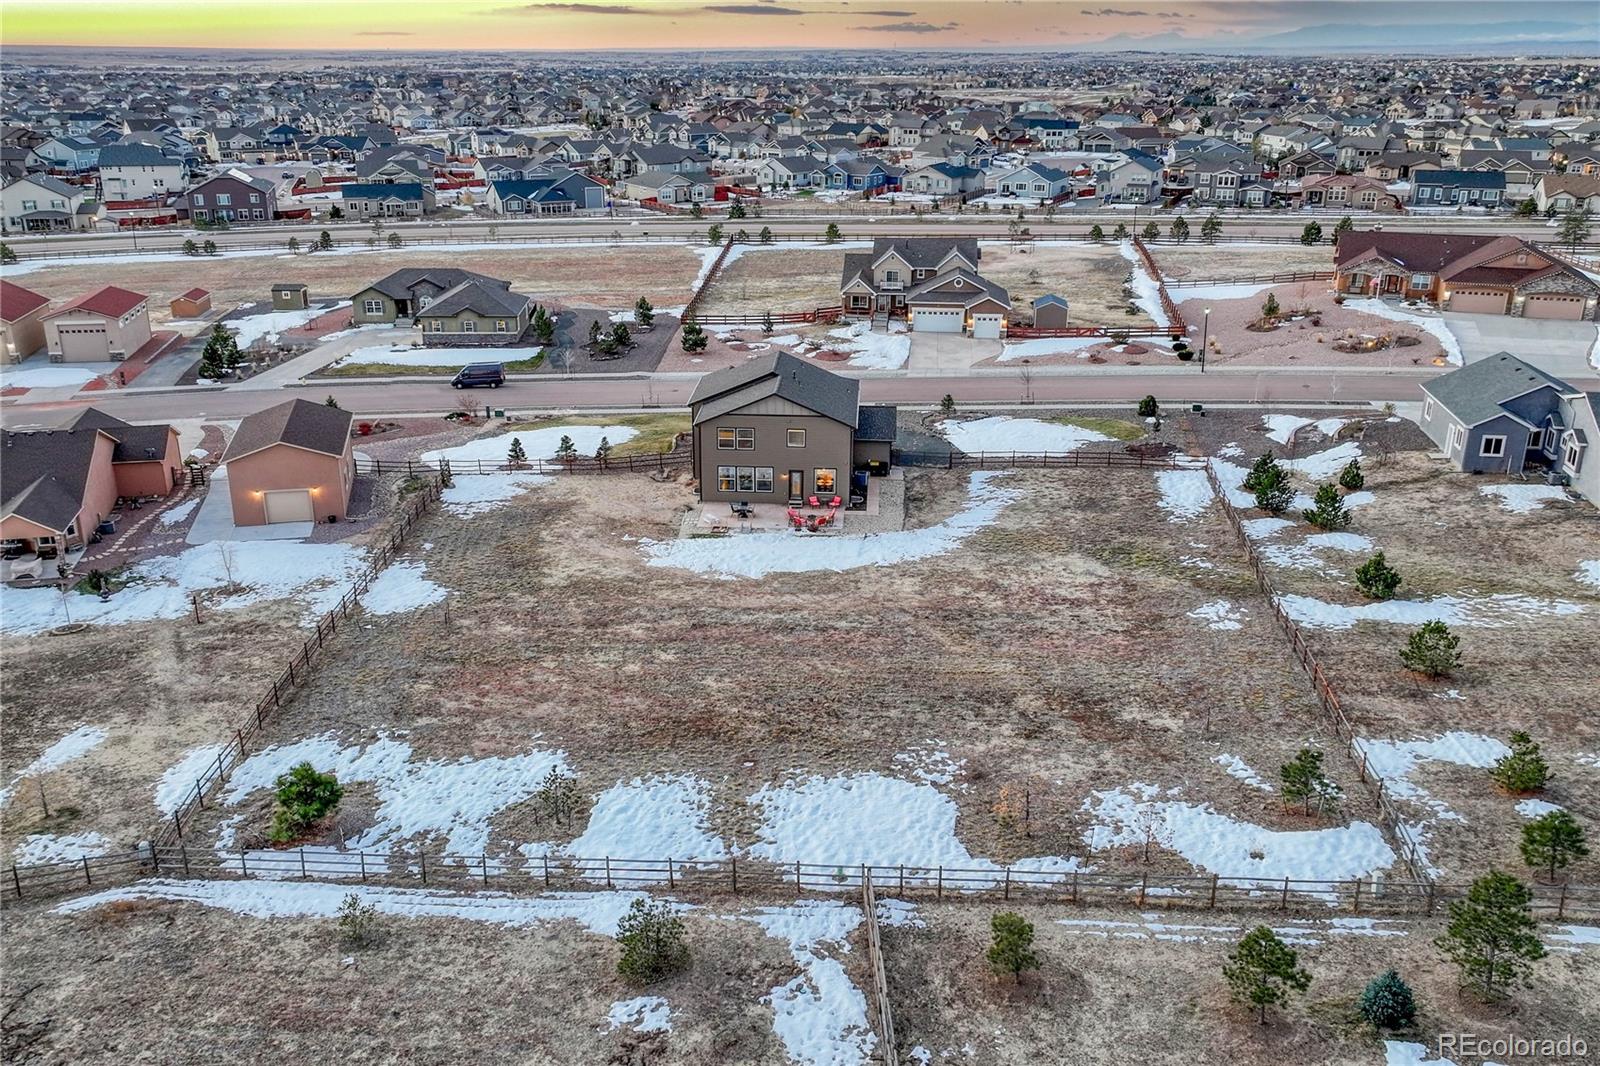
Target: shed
192,304
1050,312
290,296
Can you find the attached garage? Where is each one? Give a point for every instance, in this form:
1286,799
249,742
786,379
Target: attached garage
1564,306
936,320
986,326
289,505
83,342
1480,301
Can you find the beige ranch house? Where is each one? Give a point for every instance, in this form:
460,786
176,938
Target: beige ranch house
294,462
932,282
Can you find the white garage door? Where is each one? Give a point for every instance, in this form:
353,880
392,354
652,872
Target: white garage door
84,343
1479,301
291,505
928,320
986,327
1553,305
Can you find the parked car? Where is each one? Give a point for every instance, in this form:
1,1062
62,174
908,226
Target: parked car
475,374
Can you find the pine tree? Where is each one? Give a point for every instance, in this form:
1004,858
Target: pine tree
544,327
1527,208
831,234
1387,1003
1270,309
714,234
653,943
1575,228
1180,229
1343,226
603,451
621,335
1432,650
1524,770
1327,510
1377,579
1274,493
594,333
697,212
1312,234
325,239
517,455
1492,937
1211,228
190,247
8,254
1151,231
643,314
331,402
1263,971
1012,948
1121,232
209,246
694,338
1263,470
303,795
1552,840
766,323
737,211
294,245
947,405
395,240
1351,476
566,450
1096,233
1305,783
765,236
1148,408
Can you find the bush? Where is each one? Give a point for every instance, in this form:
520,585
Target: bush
1274,493
1553,840
1387,1003
948,404
1524,770
1260,472
1312,234
1351,477
1432,650
652,939
1012,949
694,338
1328,511
1096,233
358,923
1270,309
1304,782
831,234
1376,579
643,313
1151,231
516,455
1148,408
304,795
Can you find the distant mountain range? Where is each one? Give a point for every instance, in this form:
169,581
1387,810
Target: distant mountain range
1480,38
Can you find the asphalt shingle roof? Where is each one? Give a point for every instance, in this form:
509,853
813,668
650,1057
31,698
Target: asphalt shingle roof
313,426
778,374
1475,392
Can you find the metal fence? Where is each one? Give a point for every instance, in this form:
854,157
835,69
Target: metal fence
580,465
954,460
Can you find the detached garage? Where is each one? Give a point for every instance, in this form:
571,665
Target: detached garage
106,325
294,462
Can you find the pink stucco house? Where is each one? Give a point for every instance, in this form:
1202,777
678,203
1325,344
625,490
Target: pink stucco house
294,462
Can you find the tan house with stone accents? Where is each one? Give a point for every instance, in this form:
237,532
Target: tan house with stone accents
294,462
1477,274
933,282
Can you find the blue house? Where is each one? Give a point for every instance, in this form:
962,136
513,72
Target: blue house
1457,188
558,194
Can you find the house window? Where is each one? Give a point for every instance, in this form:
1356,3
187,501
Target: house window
224,199
1536,440
1421,281
1572,456
746,439
499,325
372,307
469,326
725,440
747,478
823,478
255,198
1427,409
1456,435
1492,446
891,275
795,438
763,479
725,475
199,199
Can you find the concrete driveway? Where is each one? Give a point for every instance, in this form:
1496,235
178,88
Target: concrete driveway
947,351
214,521
1560,348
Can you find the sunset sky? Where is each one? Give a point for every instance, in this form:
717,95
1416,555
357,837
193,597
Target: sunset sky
591,24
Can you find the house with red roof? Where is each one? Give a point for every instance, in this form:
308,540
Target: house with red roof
109,324
21,331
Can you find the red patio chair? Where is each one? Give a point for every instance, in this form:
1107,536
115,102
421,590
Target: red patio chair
795,518
813,501
835,502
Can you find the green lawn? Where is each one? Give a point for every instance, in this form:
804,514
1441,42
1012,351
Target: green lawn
656,432
1112,427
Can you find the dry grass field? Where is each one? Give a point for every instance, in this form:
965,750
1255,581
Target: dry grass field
778,279
1199,260
1089,276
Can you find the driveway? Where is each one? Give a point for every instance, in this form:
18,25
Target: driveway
214,521
1560,348
947,351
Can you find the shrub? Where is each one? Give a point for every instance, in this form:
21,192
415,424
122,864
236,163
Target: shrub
517,455
358,923
1376,579
1096,233
1524,770
714,234
1261,471
7,253
1121,232
831,234
1012,948
643,313
1270,309
331,402
1553,840
652,939
190,247
948,404
557,797
603,451
1148,408
694,338
1432,650
304,795
765,236
1151,231
1304,782
622,335
1492,936
1312,234
1263,971
1328,511
1351,477
1180,229
1387,1003
566,450
766,322
1274,493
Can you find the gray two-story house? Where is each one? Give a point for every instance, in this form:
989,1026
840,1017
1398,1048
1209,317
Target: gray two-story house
780,429
1502,416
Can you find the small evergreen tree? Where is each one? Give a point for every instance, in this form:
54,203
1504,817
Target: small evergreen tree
1492,937
1327,510
621,335
331,402
209,246
294,245
1270,309
1527,208
190,247
1432,650
1524,770
766,323
517,455
697,212
1148,408
303,796
1180,229
831,234
1264,971
947,405
653,943
1343,226
1304,782
336,212
1376,579
594,333
1387,1003
644,315
607,344
8,254
544,327
737,211
765,236
1096,233
1551,841
395,240
604,449
1312,234
1011,950
1575,228
557,797
566,450
358,922
1351,476
1274,494
714,234
1120,232
1151,231
694,338
1211,228
325,239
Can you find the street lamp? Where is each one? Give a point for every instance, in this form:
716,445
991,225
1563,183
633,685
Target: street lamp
1205,332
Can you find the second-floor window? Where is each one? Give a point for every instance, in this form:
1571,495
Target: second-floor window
199,199
224,199
795,438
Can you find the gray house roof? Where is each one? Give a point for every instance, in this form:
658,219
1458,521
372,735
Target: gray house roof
779,374
1474,393
876,422
398,286
481,297
313,426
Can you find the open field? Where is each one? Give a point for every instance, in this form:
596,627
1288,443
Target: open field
1089,276
777,279
611,278
1199,260
654,433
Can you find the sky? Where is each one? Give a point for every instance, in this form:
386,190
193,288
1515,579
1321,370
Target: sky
432,25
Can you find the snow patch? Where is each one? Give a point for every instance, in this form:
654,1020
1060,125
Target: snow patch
821,1016
642,1014
173,515
410,355
537,443
401,587
1030,436
75,745
48,847
177,784
475,494
1219,614
1237,767
1482,612
1524,499
1428,324
1184,493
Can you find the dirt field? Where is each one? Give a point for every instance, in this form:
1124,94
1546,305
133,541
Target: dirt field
1200,260
434,991
610,278
1089,276
1108,990
783,279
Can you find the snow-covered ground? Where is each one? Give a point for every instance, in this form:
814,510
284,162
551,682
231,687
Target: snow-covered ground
407,355
48,375
1430,323
174,515
642,1014
644,819
475,494
1146,291
1589,572
1395,760
177,784
1003,434
821,1016
1181,292
1154,926
1219,614
755,555
1185,494
1043,346
1485,612
1281,427
1524,499
268,325
538,443
75,745
1238,768
869,350
50,847
400,587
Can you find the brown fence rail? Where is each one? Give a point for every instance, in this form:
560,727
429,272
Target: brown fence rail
954,460
1018,333
1174,317
882,1012
778,318
582,465
1284,278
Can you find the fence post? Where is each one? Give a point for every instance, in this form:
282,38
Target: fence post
183,852
669,873
177,825
303,862
1214,892
1430,899
422,858
1283,902
902,879
797,874
734,866
1008,883
362,856
244,864
485,858
547,871
1561,904
1355,901
1074,886
608,871
16,880
1144,886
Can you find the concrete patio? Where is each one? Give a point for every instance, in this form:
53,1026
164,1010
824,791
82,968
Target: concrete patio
885,509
